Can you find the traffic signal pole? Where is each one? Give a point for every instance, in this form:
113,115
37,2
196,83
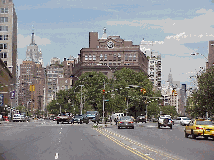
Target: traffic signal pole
103,102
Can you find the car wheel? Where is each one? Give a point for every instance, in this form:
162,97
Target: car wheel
206,137
133,127
186,135
170,126
57,122
118,127
158,126
193,135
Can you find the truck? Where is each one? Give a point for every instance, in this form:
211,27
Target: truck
165,120
63,117
18,118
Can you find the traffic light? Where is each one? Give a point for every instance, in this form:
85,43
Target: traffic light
104,91
143,90
32,87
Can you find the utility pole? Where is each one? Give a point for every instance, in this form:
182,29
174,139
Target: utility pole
103,102
81,105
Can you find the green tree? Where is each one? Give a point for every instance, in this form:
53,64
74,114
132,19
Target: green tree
21,109
203,97
169,110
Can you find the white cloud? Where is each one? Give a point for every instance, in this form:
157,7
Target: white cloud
25,41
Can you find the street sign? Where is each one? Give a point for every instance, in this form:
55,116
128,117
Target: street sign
106,100
12,95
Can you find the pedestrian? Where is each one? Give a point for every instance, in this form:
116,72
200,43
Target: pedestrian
116,120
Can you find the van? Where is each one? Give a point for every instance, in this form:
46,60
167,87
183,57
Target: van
114,116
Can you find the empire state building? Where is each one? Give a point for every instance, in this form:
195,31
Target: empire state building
32,53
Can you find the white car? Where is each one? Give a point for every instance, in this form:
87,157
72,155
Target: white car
185,121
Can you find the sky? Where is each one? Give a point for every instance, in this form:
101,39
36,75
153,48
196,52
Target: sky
178,28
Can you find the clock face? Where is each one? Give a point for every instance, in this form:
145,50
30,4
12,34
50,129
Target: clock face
110,44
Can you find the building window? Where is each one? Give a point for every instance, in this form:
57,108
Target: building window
86,57
130,57
114,64
119,57
3,55
110,64
126,57
101,57
3,1
3,28
5,62
134,57
3,19
105,64
105,57
3,46
115,57
4,10
5,37
94,57
89,57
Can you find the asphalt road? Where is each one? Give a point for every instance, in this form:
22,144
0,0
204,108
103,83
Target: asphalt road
171,141
47,140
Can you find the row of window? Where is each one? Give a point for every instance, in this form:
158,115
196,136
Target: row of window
3,28
4,10
3,55
3,19
3,46
3,37
128,57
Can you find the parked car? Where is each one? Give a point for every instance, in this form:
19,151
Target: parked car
199,127
185,121
140,119
85,119
178,120
126,122
78,119
54,119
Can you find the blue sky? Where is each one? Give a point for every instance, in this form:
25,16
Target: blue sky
178,28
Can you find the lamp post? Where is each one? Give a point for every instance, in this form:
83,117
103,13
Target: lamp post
81,105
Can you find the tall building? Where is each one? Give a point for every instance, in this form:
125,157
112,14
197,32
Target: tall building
32,73
108,54
183,98
211,54
33,53
8,39
155,63
155,69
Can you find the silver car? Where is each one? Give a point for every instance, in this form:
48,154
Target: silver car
126,122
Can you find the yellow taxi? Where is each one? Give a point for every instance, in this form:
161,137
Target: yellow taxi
199,127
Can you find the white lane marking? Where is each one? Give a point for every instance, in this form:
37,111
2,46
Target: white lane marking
56,155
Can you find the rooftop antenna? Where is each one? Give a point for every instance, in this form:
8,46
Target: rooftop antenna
32,35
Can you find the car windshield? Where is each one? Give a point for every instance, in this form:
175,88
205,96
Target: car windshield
204,123
126,118
141,117
186,119
91,112
78,116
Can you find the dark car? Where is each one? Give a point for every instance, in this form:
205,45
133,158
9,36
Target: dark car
85,119
140,119
77,119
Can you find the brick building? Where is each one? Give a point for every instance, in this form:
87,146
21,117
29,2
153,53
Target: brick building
5,87
108,54
211,54
8,39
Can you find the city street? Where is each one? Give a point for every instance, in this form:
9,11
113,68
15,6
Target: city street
44,139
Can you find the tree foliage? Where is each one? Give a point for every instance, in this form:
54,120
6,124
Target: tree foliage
120,93
203,98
